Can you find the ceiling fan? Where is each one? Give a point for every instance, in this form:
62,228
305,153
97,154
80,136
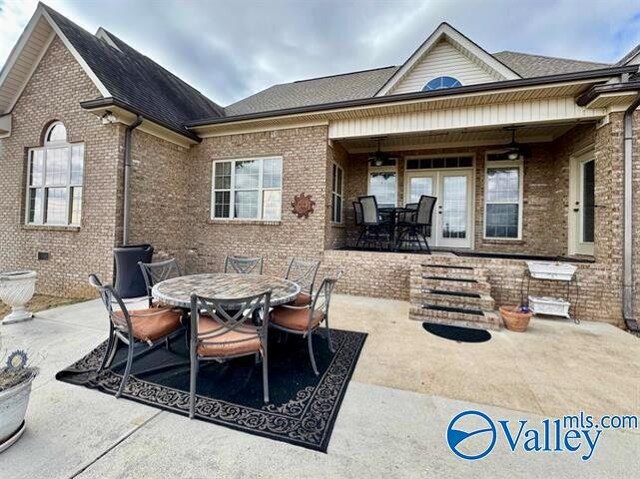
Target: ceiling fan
514,150
379,158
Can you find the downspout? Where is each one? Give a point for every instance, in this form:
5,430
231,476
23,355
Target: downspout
628,300
127,180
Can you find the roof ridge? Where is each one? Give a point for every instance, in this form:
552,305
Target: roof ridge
550,57
341,74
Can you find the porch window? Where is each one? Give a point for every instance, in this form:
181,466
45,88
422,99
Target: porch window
337,194
383,183
54,183
503,200
247,189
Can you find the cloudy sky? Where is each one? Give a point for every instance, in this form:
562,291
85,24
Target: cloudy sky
232,48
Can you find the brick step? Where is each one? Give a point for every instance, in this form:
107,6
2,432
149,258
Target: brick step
461,285
456,317
453,271
458,299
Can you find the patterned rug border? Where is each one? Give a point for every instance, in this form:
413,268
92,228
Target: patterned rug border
238,417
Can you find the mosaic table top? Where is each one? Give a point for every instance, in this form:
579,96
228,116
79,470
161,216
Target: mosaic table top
177,291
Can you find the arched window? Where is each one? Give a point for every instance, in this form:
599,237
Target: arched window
441,82
54,183
56,133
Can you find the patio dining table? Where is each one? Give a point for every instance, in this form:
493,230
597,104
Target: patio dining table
177,291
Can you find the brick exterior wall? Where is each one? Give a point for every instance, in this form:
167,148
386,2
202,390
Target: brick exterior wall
304,153
171,199
159,196
54,92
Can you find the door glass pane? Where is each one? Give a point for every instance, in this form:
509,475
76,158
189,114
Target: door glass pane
383,187
419,187
454,207
588,201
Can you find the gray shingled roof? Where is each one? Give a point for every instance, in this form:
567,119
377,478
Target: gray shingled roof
365,84
349,86
529,66
137,80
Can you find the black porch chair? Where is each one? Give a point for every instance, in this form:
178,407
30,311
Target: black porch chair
413,227
375,230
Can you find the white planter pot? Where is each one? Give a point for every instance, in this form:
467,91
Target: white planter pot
16,289
549,270
13,408
549,306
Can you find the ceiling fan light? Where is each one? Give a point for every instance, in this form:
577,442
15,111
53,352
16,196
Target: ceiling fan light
513,155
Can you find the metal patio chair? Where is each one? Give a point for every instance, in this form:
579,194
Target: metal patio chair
151,327
357,211
224,329
242,265
305,320
303,273
414,229
154,273
375,231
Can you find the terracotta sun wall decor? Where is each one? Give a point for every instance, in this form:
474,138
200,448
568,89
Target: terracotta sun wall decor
302,205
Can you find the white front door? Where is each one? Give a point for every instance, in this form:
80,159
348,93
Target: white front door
582,205
452,217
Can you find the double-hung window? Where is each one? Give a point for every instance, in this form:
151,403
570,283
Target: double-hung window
54,180
337,193
247,189
503,200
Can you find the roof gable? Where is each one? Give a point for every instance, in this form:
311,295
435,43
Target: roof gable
447,52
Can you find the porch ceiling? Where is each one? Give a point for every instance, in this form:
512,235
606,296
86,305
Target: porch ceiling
460,137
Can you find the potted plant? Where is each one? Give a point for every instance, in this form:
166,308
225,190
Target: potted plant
15,388
16,290
516,318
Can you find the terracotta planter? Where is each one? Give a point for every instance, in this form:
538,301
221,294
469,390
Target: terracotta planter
515,320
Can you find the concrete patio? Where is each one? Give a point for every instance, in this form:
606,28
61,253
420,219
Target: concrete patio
407,386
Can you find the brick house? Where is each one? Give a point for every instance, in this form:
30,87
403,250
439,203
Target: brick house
100,146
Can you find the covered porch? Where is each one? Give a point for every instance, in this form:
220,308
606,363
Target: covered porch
534,197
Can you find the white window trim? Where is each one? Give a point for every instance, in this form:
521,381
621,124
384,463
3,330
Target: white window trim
383,169
334,192
497,165
53,145
232,189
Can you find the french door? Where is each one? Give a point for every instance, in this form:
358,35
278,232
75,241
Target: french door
582,202
452,217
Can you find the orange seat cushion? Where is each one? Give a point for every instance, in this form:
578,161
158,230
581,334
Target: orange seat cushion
243,340
152,324
295,319
303,299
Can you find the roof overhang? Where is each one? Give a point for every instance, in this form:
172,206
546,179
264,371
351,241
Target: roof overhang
610,94
566,85
26,55
113,110
5,125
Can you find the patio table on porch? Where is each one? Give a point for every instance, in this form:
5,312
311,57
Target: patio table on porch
177,291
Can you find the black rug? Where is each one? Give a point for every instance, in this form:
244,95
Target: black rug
303,407
456,333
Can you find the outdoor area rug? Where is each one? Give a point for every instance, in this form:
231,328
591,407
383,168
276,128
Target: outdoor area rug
303,407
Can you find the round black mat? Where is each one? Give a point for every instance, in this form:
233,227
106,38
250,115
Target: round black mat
456,333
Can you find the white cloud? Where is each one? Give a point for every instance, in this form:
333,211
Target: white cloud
230,49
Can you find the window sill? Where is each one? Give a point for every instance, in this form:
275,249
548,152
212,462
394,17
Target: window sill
338,225
71,229
502,241
244,222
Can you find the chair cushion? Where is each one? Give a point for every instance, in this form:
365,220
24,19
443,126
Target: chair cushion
303,299
295,319
152,324
244,340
